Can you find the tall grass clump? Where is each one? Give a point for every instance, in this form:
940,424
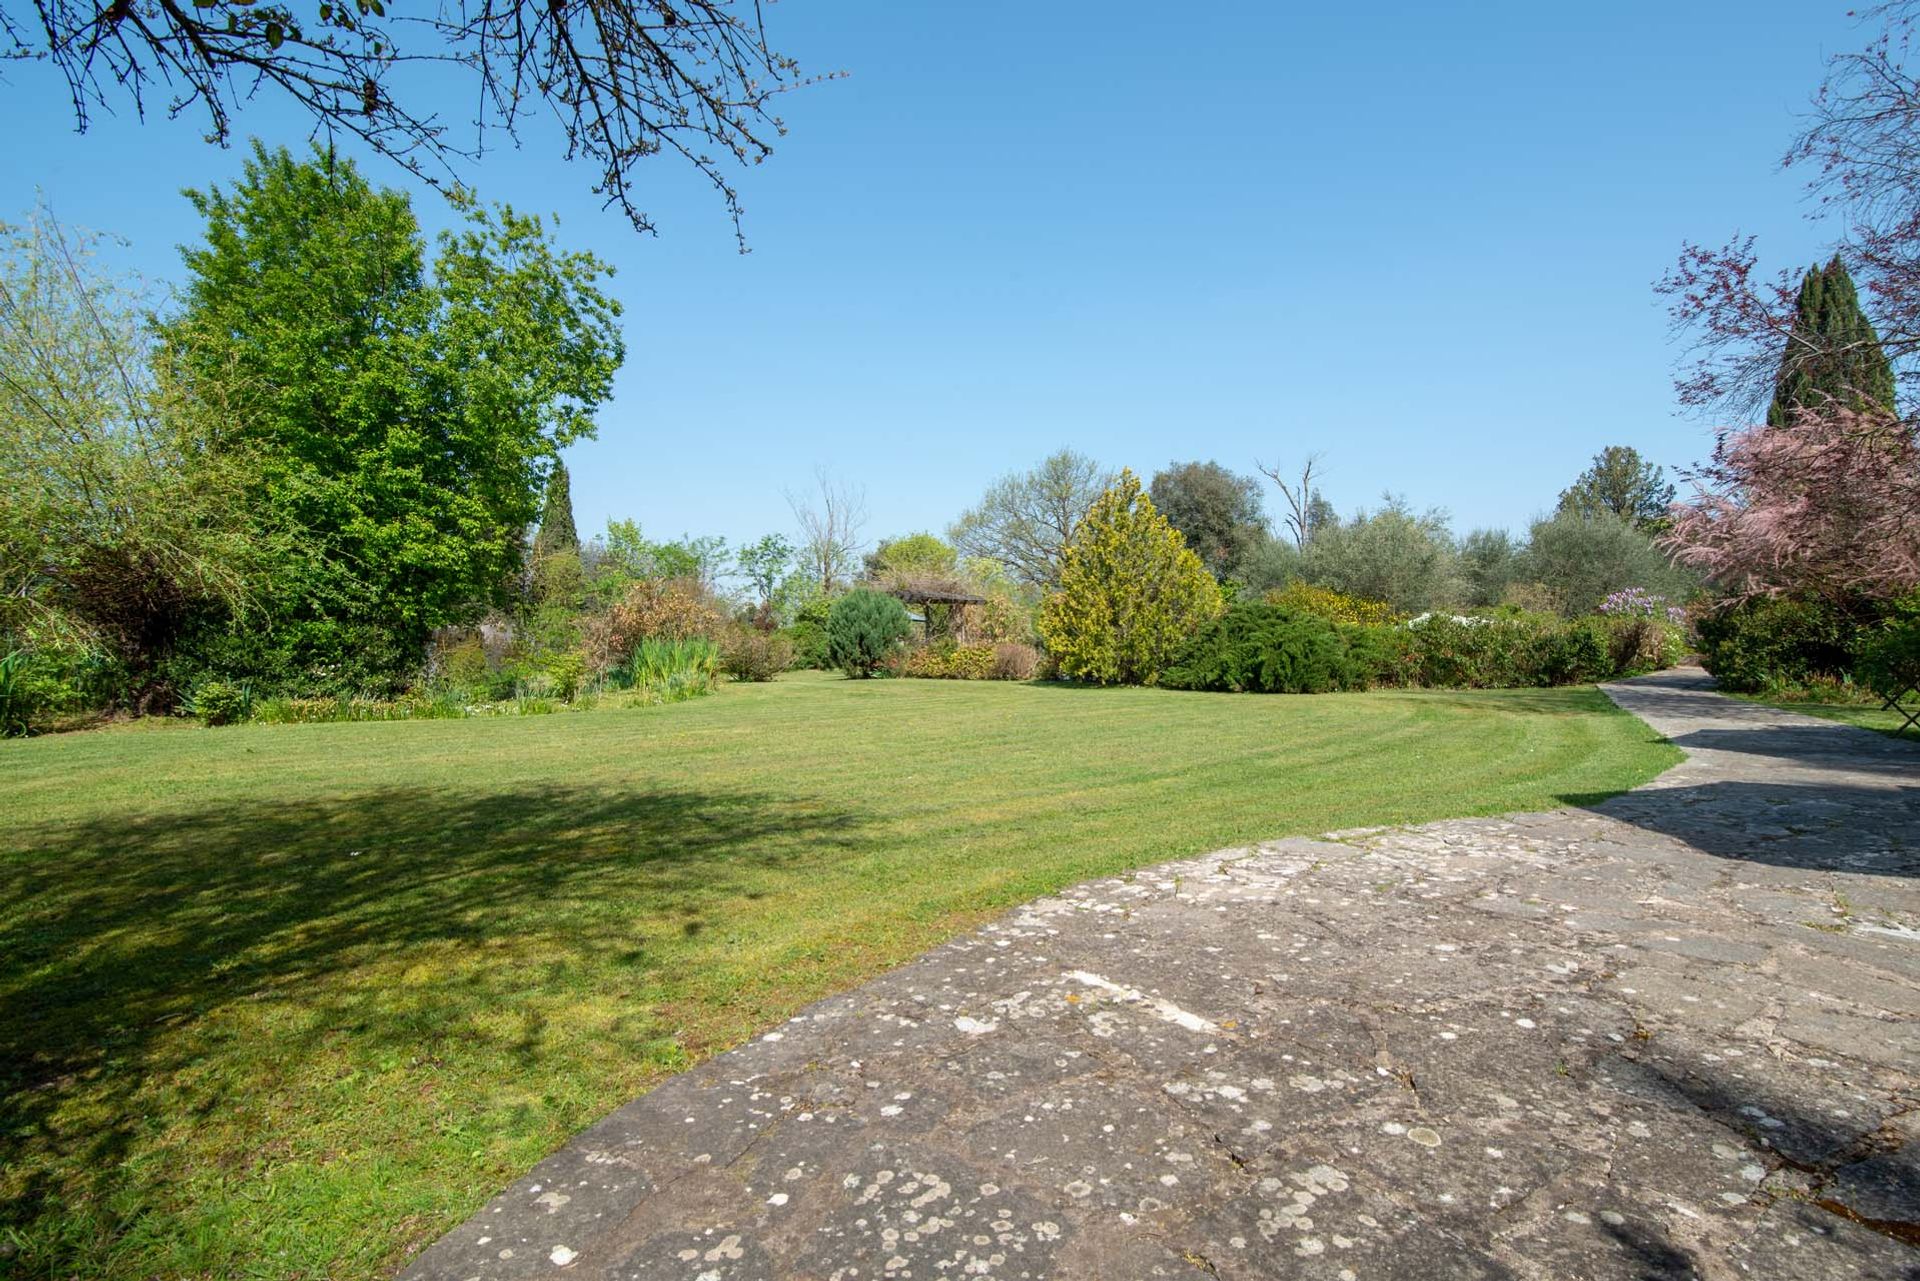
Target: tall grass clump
670,670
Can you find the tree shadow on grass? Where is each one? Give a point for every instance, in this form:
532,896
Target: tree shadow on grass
117,933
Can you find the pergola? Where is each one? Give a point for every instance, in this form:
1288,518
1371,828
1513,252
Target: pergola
924,596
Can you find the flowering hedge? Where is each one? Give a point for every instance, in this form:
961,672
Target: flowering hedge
1638,602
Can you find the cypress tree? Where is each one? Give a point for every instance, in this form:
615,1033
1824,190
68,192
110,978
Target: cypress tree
557,532
1833,353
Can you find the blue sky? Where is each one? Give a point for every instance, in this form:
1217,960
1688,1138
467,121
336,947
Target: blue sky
1416,238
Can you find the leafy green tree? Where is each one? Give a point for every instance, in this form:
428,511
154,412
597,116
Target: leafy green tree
1621,483
1394,554
1489,564
400,418
119,528
913,554
1131,592
1216,511
1025,519
864,628
557,530
1583,559
703,558
1272,563
767,565
1833,355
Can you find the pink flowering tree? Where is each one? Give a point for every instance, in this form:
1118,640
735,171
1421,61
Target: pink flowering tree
1826,505
1825,502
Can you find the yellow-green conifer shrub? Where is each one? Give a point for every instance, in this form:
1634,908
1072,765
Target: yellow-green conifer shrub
1130,592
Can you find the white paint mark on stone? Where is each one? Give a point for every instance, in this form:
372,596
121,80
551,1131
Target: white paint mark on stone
562,1256
1162,1009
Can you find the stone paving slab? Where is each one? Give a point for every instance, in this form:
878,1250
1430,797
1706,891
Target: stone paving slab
1675,1035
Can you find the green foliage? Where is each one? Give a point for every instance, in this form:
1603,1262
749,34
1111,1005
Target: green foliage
219,702
949,662
399,420
1583,559
342,657
913,555
864,628
1889,662
816,608
1269,565
1395,554
1833,354
558,533
45,678
749,654
671,669
999,618
1130,592
767,565
326,709
16,702
119,526
559,578
1266,649
1774,641
626,554
1623,485
810,647
1215,510
566,673
1004,661
1501,653
1513,651
1643,643
1338,607
1489,563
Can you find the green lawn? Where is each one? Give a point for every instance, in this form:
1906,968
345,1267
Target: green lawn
1866,714
290,1001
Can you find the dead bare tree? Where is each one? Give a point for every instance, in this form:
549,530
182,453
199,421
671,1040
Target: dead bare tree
830,528
625,79
1299,495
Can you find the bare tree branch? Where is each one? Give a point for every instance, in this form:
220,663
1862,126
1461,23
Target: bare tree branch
830,529
624,79
1298,494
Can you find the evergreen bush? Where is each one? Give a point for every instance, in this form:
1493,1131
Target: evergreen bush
864,628
1264,649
